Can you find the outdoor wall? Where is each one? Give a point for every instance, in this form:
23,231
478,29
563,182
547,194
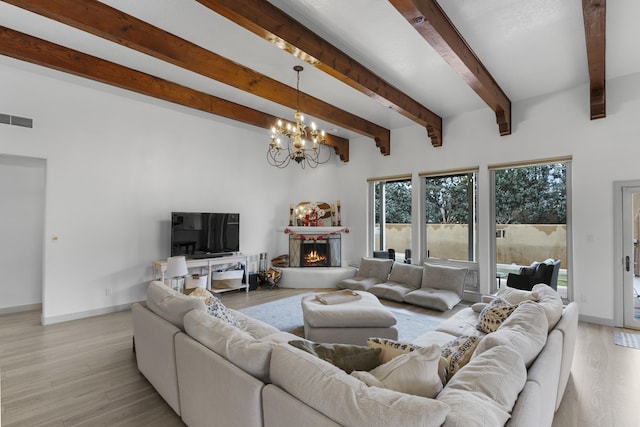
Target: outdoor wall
521,245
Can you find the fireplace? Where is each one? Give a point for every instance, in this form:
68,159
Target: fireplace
314,251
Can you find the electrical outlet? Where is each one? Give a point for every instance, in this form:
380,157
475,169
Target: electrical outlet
583,299
107,292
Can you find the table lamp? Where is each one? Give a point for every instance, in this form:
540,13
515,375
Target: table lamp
176,270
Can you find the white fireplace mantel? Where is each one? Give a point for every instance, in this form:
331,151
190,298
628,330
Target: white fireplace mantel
312,230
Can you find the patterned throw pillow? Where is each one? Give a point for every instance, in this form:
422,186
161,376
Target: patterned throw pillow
216,308
492,316
455,354
391,348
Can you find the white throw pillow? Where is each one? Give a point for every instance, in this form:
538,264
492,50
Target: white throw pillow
551,301
516,296
412,373
482,394
525,330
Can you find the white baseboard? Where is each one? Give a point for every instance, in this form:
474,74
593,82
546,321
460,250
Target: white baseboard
84,314
20,308
597,320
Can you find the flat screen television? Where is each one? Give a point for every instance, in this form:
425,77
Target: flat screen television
204,235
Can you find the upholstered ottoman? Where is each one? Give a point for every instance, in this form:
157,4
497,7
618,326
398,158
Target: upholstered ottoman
349,322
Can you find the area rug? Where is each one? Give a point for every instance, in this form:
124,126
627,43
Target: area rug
286,315
627,340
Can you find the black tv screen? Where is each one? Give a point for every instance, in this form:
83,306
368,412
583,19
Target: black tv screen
201,235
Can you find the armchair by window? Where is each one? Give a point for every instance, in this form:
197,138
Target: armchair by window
538,272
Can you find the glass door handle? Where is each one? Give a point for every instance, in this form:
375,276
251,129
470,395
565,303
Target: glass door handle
626,262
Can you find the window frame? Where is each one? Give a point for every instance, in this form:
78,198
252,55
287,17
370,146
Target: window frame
567,161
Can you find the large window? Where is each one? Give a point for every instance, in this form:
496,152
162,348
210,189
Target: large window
450,216
392,215
531,218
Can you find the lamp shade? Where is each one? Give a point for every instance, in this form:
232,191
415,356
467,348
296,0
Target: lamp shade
176,266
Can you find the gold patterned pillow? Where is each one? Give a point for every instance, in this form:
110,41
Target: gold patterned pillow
391,348
492,316
455,354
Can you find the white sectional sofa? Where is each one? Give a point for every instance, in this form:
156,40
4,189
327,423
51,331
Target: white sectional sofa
248,375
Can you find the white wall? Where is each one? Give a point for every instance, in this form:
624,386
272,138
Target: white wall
22,195
117,164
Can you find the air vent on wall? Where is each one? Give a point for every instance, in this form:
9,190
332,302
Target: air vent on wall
16,121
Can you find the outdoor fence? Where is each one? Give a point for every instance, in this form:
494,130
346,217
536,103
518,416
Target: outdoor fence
518,244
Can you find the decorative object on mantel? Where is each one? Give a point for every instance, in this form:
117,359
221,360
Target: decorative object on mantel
297,135
314,214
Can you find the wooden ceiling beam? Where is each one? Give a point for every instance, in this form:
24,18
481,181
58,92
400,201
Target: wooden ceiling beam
272,24
432,23
594,13
104,21
41,52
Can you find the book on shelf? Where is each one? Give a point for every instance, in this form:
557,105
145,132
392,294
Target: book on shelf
338,297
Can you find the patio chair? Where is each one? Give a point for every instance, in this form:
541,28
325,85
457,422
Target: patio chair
538,272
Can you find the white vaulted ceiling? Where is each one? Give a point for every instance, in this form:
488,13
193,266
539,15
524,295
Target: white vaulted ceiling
530,47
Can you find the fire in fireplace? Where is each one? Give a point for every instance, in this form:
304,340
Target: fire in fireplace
315,253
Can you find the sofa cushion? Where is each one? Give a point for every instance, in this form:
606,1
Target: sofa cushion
464,322
390,290
437,299
492,316
479,306
444,277
482,394
345,356
358,283
247,352
413,373
375,268
403,279
551,301
344,398
171,305
406,274
391,348
256,328
525,330
433,337
455,354
516,296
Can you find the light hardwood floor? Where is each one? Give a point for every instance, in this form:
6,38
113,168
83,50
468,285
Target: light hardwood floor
83,373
